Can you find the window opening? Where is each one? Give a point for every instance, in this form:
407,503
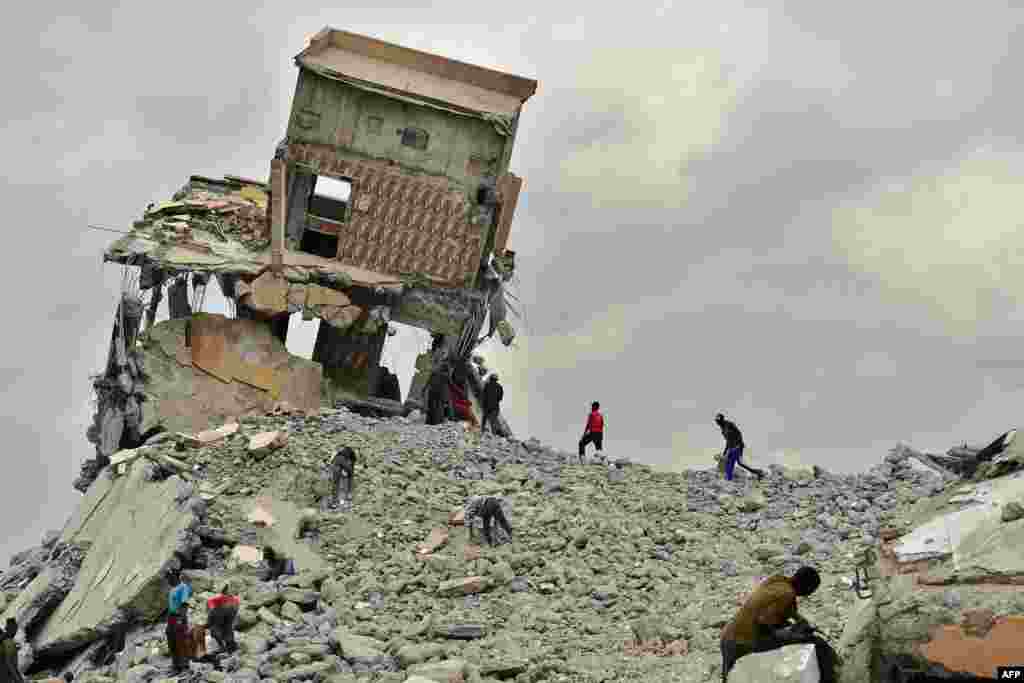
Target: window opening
416,138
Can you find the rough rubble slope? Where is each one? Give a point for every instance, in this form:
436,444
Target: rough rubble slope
601,557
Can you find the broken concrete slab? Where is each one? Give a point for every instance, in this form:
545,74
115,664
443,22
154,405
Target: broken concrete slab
264,443
972,536
437,538
457,517
466,586
34,605
119,579
209,436
352,646
444,671
790,664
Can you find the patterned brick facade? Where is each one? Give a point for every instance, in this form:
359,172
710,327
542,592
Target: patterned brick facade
400,223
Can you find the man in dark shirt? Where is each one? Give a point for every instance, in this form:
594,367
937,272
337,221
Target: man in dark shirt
733,447
9,670
438,394
343,468
763,623
493,393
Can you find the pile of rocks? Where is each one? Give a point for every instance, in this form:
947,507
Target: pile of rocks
601,554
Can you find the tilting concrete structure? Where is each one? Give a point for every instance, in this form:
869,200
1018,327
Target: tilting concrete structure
389,199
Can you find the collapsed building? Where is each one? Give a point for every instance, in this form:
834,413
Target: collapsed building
389,199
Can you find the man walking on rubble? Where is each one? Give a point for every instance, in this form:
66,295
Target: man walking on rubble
487,508
733,454
177,624
343,468
493,393
222,610
762,623
593,432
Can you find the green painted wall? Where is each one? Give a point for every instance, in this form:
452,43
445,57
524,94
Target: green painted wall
322,108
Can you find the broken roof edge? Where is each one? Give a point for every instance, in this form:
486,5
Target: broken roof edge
418,60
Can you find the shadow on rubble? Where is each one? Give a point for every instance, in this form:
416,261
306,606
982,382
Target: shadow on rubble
907,671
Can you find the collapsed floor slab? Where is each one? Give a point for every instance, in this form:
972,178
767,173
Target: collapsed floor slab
118,581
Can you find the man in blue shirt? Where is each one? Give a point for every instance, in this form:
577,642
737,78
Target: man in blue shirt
177,623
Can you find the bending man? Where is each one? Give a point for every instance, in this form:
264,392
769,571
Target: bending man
487,508
763,623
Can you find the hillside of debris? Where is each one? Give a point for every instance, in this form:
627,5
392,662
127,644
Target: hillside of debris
616,573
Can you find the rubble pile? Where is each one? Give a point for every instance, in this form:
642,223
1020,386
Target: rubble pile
617,572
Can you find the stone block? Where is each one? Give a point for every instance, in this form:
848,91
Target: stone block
466,586
790,664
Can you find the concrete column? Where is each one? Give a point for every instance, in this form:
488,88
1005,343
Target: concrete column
278,213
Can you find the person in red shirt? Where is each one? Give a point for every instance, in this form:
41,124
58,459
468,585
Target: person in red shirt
223,609
594,431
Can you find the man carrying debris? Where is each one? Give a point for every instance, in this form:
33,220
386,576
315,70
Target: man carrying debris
762,623
438,394
222,610
343,468
593,432
733,454
177,624
487,508
493,393
9,670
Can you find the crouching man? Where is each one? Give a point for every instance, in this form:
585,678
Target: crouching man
222,609
343,470
487,508
769,620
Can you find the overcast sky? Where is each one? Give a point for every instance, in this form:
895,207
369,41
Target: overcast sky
802,214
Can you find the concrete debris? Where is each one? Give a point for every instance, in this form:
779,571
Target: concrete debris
246,554
259,516
263,444
790,664
438,537
209,436
466,586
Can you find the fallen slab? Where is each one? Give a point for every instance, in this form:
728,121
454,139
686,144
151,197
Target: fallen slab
117,580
